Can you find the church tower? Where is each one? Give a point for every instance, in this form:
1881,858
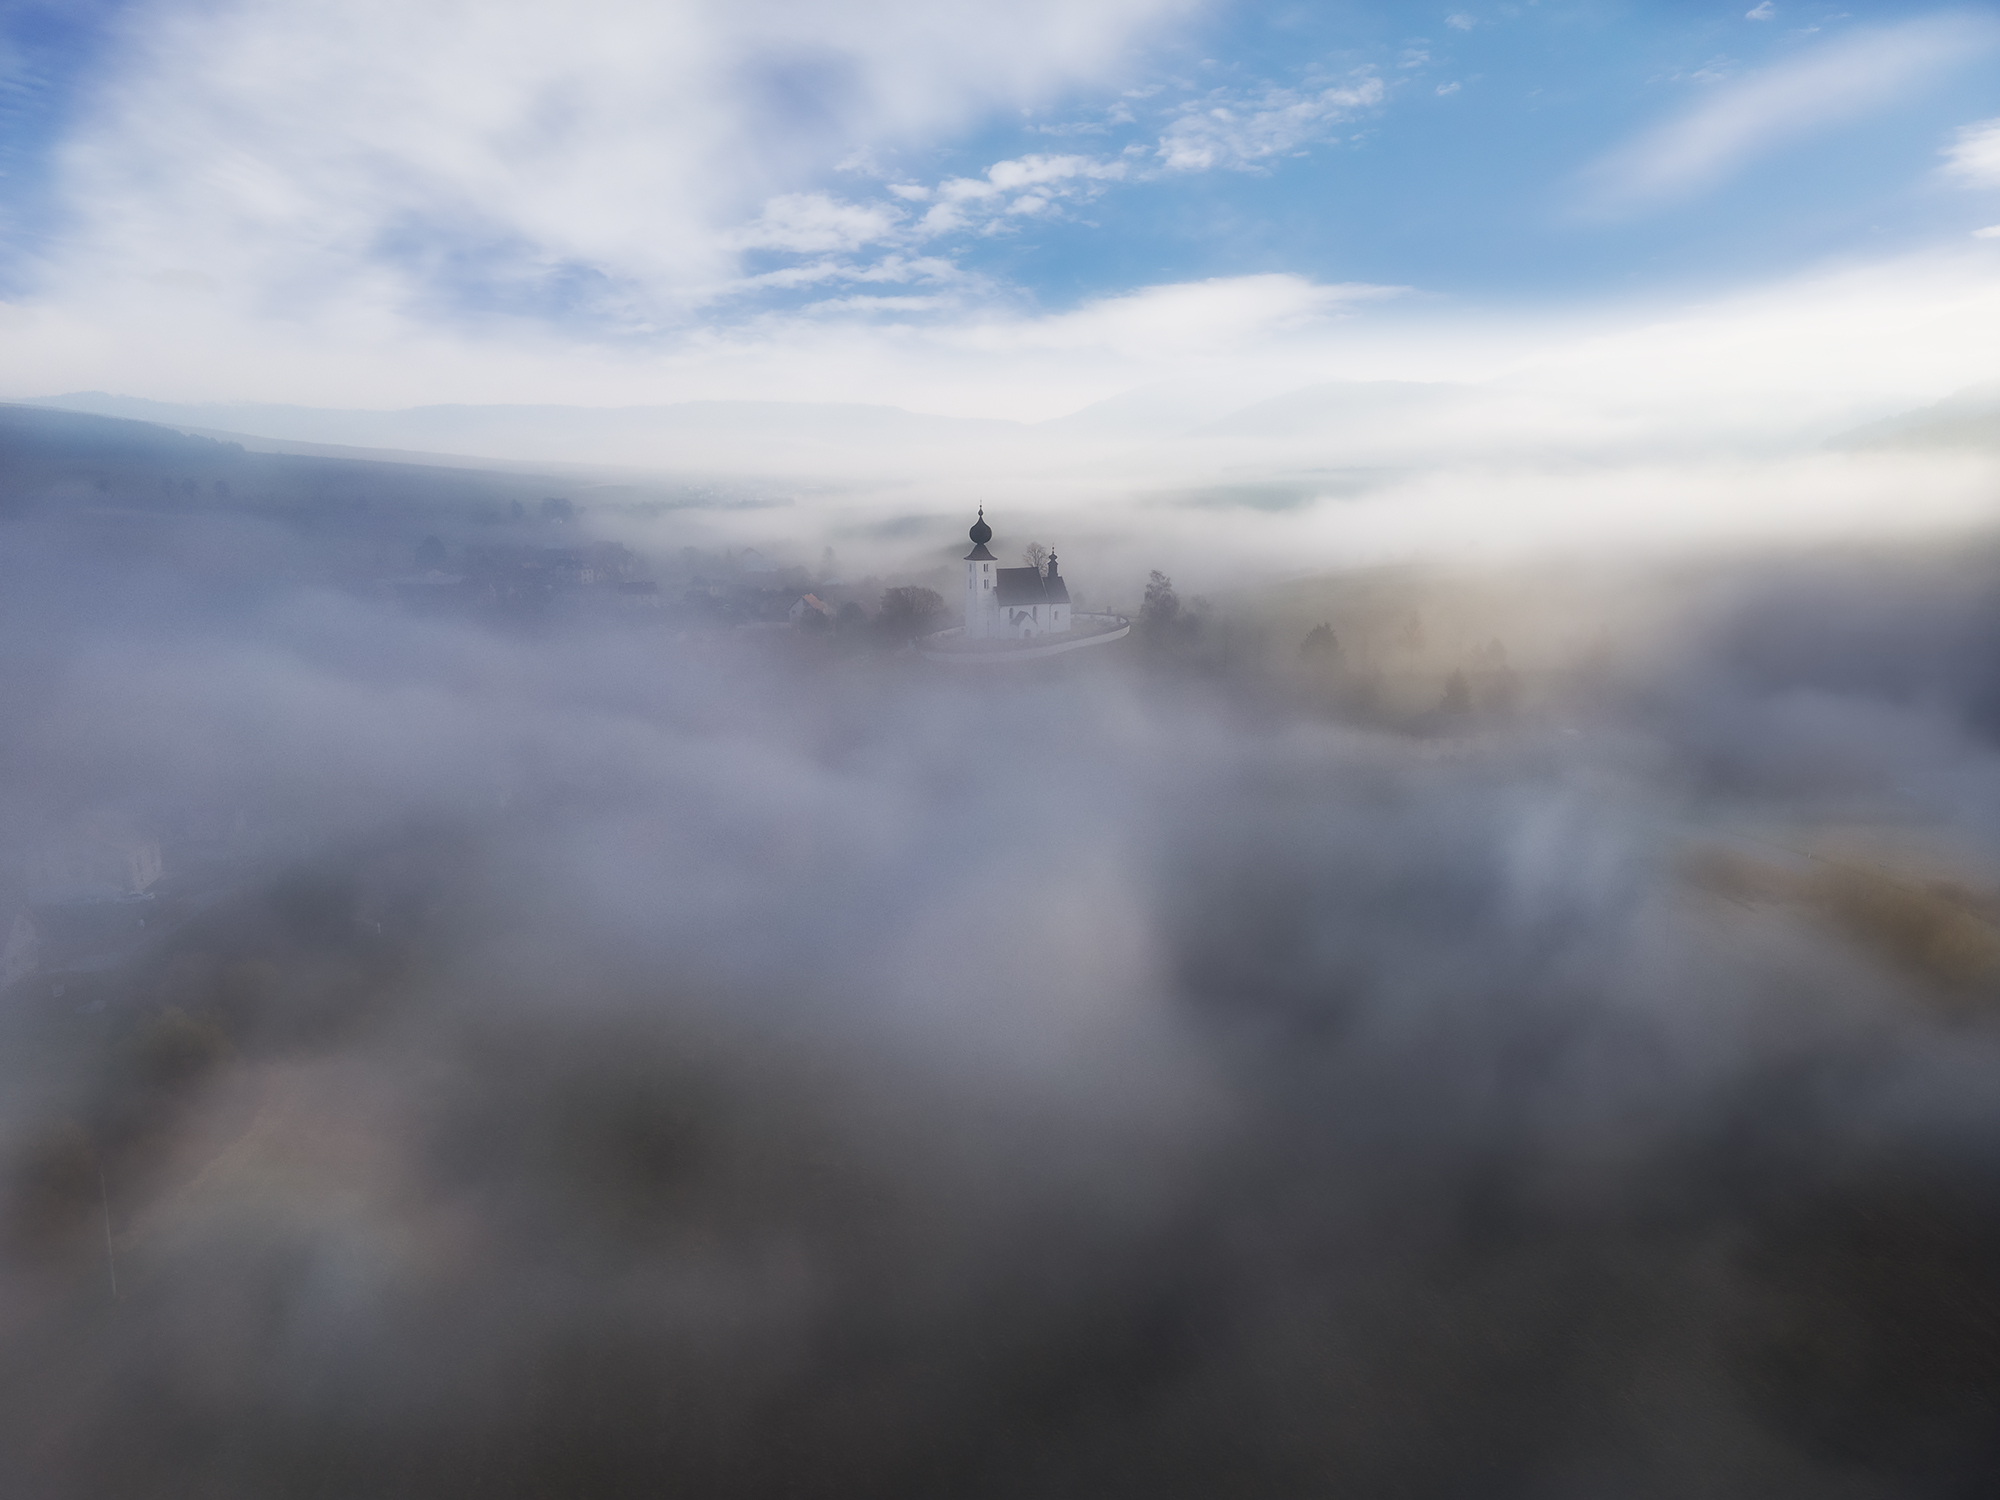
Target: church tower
979,608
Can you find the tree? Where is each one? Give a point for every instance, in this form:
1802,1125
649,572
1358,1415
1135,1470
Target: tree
1035,555
1457,698
1162,604
910,612
1321,645
555,508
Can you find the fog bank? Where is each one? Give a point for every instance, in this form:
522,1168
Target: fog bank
601,1054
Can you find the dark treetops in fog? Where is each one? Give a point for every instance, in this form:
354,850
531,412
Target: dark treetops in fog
569,1053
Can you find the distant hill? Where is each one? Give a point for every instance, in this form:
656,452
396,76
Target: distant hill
48,455
694,436
1968,419
30,436
1175,432
56,457
1343,403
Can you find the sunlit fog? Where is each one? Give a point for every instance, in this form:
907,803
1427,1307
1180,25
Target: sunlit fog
1116,748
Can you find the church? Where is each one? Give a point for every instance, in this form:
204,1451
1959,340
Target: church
1010,603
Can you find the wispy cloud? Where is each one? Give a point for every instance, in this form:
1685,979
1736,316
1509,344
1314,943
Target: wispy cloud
1864,71
1222,131
1185,318
450,155
807,222
894,268
1022,185
1974,158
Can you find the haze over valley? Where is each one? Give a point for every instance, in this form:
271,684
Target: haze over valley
1091,750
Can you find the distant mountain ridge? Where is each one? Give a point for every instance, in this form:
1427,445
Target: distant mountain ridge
804,436
745,437
54,456
362,427
1170,436
1966,419
1312,407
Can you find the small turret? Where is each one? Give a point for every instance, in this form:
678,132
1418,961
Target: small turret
1052,566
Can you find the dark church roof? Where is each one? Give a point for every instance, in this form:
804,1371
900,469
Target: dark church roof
981,534
1022,586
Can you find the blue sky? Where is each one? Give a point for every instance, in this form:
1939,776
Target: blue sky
46,52
1470,176
1475,191
227,199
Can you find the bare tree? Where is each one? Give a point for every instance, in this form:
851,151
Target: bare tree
1036,556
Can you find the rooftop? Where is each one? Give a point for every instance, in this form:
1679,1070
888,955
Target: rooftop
1018,586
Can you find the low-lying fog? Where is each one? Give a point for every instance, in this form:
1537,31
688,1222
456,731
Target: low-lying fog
1533,1036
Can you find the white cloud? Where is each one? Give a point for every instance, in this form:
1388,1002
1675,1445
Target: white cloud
1864,71
1461,21
1187,318
1024,185
1763,12
1974,158
889,268
1448,88
1222,132
1634,424
865,306
809,222
400,158
294,244
945,218
1031,171
1990,232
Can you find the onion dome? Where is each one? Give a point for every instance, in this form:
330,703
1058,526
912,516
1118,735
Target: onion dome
981,533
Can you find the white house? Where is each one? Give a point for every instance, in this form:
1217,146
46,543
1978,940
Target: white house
1010,603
